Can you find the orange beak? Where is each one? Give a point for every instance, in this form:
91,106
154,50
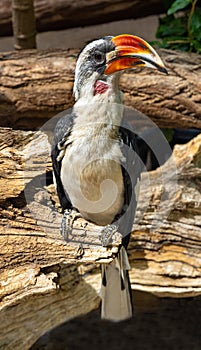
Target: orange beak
131,51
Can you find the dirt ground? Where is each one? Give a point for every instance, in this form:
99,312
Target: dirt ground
159,324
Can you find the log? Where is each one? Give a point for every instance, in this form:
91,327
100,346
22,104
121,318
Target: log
35,85
61,14
45,281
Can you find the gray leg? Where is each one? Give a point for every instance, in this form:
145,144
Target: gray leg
107,234
70,215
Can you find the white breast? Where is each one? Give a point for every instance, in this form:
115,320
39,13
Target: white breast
92,177
91,168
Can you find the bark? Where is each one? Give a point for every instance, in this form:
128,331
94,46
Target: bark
34,86
60,14
24,27
45,281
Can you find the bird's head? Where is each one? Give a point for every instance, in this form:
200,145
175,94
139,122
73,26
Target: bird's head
101,60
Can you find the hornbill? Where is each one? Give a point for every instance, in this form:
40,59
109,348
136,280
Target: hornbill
95,163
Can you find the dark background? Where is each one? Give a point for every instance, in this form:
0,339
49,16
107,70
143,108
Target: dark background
158,324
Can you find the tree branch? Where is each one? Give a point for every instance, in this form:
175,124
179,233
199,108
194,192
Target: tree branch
34,86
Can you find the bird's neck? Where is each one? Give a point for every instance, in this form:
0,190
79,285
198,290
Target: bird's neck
95,112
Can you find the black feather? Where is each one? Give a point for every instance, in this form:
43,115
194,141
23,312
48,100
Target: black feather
131,171
61,133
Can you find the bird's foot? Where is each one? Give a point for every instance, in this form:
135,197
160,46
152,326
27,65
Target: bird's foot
69,217
107,234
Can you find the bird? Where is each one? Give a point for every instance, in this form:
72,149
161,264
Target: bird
96,165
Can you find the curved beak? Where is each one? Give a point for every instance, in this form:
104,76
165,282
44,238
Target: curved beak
131,51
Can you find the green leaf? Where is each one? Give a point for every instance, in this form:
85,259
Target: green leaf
196,23
178,5
196,46
171,26
176,32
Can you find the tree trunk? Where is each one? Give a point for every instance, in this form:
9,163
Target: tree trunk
61,14
45,281
24,27
34,86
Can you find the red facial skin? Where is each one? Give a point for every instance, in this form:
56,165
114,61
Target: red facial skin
100,87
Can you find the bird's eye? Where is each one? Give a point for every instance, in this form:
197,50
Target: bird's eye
99,57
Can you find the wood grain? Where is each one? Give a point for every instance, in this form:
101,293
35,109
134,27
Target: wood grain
36,85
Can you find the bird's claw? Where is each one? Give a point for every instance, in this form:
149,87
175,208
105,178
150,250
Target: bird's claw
107,234
70,215
80,251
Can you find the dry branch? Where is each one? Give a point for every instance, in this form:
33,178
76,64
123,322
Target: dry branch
37,85
45,281
53,15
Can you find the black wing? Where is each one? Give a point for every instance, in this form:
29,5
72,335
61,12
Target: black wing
61,134
131,171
